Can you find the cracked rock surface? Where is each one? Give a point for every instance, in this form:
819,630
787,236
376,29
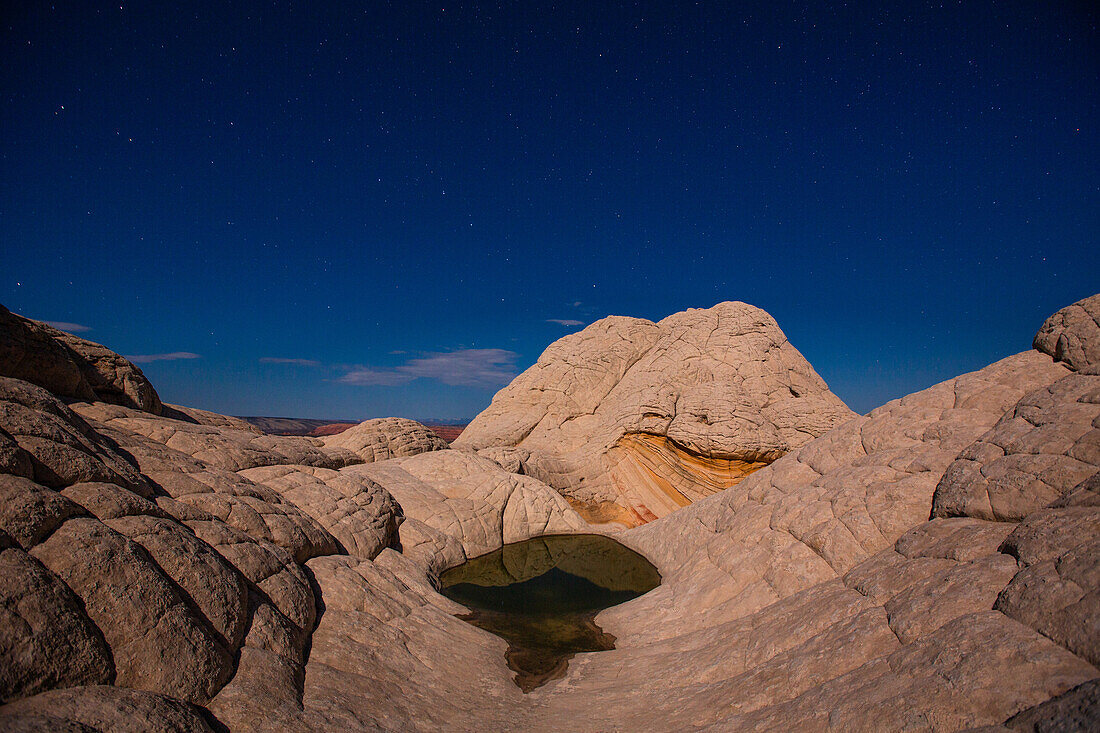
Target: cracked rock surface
386,437
632,419
933,565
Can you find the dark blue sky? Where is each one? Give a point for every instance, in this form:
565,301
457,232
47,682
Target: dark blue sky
396,203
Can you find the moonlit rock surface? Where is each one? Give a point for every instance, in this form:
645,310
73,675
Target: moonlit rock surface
1072,335
386,437
70,366
631,419
472,499
359,513
934,564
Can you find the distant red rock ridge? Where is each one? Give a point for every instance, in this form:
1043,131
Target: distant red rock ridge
448,432
319,428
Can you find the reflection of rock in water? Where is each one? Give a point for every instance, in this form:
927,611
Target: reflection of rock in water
542,596
600,559
540,647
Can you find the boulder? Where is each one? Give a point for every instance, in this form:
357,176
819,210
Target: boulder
359,513
1072,335
158,641
46,639
471,499
816,513
55,446
1048,444
931,565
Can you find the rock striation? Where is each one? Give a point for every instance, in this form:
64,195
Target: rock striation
934,564
138,554
632,420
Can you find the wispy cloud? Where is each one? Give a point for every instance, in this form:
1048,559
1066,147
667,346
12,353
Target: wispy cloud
565,321
470,367
466,368
70,327
172,356
375,377
295,362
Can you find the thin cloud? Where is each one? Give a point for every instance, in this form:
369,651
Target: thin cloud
70,327
565,321
295,362
467,367
374,378
172,356
462,368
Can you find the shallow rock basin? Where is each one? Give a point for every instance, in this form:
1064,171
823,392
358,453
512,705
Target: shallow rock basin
542,596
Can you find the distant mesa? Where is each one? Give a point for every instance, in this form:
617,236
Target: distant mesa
298,425
334,428
449,431
324,428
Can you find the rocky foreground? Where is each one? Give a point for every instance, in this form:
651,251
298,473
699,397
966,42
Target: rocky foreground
933,565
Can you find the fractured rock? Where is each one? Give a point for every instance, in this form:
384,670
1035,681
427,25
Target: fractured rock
1072,335
358,512
472,499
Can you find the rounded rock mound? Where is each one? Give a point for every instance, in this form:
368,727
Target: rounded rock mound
631,419
70,366
1072,335
386,437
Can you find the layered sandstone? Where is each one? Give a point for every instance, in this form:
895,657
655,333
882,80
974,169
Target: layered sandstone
632,420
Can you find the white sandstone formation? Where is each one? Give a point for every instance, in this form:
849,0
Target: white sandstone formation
933,565
632,420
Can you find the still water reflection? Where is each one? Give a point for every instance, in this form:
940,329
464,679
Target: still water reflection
542,596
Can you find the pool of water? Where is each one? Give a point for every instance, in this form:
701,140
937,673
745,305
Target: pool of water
542,597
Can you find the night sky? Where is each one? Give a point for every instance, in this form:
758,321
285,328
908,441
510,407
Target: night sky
316,210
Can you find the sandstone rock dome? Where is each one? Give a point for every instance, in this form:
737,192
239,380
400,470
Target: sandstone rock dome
632,419
933,565
386,437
